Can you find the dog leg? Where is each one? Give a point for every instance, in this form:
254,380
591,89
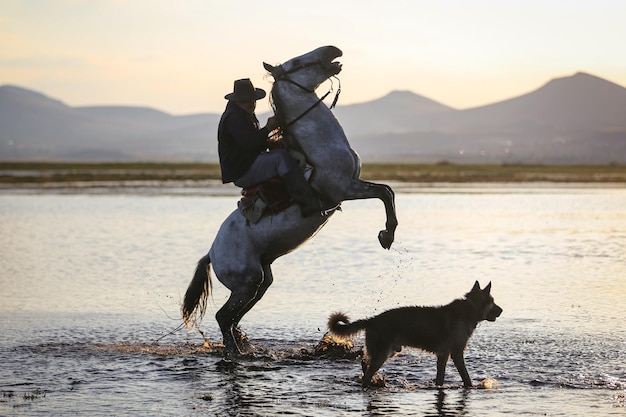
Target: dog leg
367,377
374,363
459,362
442,361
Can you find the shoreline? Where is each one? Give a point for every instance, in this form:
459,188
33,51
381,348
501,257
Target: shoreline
214,188
52,176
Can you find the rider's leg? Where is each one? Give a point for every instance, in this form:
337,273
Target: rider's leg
275,163
302,193
279,163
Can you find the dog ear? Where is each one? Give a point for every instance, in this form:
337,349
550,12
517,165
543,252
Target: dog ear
487,289
269,68
476,287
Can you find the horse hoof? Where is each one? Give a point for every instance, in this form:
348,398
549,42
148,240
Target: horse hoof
243,343
230,347
385,238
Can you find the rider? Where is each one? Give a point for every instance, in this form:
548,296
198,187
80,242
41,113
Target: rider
242,147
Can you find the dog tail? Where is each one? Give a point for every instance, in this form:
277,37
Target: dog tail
339,325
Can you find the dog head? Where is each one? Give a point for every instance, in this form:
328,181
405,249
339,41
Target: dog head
483,300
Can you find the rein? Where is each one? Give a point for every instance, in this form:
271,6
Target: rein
282,75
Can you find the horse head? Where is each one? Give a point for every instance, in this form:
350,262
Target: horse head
309,70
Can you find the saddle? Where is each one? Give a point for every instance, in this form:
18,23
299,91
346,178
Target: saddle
269,197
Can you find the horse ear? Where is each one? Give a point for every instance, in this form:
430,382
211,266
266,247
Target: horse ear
487,289
269,68
476,287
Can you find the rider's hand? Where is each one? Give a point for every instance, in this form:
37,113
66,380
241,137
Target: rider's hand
272,123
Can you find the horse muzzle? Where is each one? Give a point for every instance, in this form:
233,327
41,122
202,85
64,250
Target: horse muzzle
335,67
332,53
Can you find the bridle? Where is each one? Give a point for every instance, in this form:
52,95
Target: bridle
280,74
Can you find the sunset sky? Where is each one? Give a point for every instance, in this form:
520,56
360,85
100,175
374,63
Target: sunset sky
182,57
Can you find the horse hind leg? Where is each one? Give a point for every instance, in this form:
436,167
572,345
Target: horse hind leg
241,300
224,317
240,338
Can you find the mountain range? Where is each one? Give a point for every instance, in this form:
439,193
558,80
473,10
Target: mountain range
579,119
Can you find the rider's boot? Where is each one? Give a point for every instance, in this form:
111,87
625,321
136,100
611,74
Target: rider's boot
302,193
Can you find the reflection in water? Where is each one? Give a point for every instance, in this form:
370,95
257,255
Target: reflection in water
379,406
234,400
450,409
244,388
385,403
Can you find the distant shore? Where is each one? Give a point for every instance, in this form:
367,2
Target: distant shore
31,174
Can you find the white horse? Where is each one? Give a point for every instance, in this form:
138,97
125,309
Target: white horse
242,252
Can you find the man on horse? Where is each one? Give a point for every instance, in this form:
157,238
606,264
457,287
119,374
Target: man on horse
241,255
243,149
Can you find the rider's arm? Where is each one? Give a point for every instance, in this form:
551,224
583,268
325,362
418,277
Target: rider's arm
243,131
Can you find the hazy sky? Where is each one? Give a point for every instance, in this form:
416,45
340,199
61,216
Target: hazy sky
182,56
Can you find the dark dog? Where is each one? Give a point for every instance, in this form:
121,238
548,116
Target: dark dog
443,331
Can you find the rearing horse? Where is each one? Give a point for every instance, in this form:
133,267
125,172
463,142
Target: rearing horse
242,252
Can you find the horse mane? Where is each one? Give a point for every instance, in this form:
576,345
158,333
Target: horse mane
279,133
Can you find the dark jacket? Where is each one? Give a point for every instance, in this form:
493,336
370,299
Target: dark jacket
240,141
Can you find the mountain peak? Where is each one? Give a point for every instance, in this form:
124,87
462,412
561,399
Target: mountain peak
582,74
412,101
401,93
581,80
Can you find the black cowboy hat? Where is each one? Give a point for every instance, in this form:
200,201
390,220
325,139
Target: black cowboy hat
243,90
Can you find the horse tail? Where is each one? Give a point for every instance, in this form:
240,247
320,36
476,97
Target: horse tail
339,325
194,305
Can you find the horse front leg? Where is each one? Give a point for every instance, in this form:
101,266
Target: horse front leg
387,236
364,189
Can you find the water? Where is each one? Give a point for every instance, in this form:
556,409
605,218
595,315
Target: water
90,281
